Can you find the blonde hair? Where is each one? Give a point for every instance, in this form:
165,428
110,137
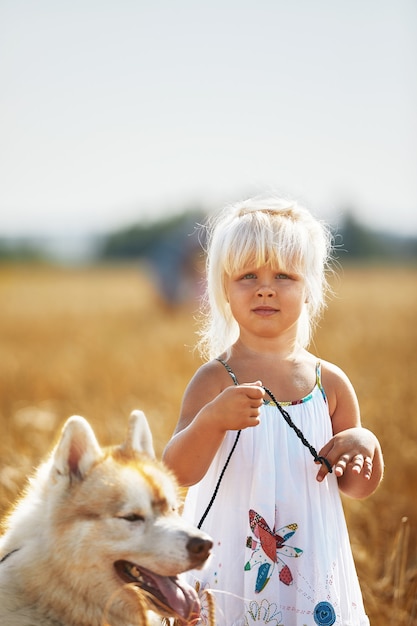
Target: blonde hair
262,231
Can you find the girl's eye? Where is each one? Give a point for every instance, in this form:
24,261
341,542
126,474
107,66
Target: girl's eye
133,517
248,276
282,276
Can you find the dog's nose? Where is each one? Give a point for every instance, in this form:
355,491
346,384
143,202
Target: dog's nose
199,548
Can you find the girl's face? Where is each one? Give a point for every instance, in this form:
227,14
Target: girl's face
265,301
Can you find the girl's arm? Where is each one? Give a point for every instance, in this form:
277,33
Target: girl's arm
353,451
211,406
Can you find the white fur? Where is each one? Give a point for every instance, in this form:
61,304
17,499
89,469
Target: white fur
84,510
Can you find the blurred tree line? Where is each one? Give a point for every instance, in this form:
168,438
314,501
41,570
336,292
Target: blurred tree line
174,249
354,241
359,243
171,250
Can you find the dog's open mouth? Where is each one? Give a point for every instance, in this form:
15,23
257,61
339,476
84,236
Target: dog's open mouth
169,595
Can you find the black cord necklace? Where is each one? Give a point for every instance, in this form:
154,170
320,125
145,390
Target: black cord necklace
287,417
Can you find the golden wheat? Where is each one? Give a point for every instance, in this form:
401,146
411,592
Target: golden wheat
99,342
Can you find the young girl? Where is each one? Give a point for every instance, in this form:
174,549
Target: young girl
264,476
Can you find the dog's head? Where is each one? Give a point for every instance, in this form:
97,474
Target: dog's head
116,510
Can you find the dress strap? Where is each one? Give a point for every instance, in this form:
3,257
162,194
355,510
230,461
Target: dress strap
318,381
229,370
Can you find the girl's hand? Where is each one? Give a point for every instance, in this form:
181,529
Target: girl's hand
238,406
351,452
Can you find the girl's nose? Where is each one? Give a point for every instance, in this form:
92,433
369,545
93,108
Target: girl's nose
266,291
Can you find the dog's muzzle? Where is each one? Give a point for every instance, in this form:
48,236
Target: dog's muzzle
168,595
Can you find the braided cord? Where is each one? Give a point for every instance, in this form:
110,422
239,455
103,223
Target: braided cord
298,432
216,489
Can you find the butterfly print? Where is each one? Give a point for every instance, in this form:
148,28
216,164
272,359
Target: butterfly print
268,546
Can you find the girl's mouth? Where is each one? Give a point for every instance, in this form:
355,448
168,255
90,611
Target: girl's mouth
265,311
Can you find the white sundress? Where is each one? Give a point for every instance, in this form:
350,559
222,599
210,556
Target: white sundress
281,553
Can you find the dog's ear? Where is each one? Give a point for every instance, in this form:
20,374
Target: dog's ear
139,436
77,450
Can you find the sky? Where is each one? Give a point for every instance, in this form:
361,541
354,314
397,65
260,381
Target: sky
113,112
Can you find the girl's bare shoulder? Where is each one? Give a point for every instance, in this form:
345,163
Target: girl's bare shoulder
337,385
211,378
207,383
333,373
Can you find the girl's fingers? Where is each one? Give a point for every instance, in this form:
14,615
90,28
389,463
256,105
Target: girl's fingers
341,465
358,464
367,467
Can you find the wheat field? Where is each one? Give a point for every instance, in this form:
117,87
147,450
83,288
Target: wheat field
99,342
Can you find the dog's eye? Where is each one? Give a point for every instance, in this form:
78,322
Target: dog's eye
133,517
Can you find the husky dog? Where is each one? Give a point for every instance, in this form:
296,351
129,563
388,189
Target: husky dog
96,535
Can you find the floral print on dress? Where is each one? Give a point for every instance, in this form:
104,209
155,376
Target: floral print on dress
207,611
268,547
263,612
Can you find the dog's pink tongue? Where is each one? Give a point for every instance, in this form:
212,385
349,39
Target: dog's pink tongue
181,597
